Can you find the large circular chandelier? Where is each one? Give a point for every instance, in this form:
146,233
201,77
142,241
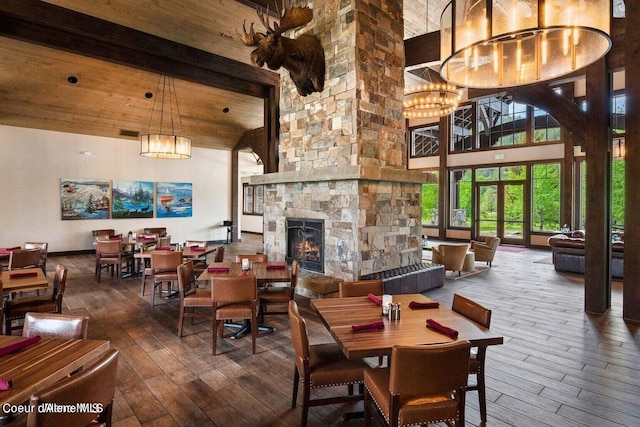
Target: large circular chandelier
502,43
431,100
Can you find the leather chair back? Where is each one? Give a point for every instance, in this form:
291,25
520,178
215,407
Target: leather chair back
164,241
445,365
219,256
109,232
24,258
44,248
59,285
53,325
95,384
108,248
361,288
295,266
471,310
164,264
299,338
253,257
227,290
160,231
186,279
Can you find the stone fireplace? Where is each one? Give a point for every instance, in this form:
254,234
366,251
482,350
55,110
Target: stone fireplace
342,152
305,242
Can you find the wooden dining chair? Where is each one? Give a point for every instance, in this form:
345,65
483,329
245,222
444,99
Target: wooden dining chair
219,255
275,299
54,325
253,257
320,366
425,384
24,258
109,253
95,384
164,269
234,298
482,316
17,308
360,288
44,249
191,297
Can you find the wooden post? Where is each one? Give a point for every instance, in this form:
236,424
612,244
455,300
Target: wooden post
597,277
631,292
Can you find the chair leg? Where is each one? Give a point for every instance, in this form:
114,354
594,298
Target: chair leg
254,333
99,272
305,404
180,321
482,396
296,380
367,408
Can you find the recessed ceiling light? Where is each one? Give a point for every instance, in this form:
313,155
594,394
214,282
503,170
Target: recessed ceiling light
72,79
148,95
225,110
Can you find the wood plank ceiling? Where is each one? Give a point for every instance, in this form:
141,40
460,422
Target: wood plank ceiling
109,99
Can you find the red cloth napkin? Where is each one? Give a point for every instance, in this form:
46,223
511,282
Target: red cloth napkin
364,327
163,248
5,384
11,348
197,248
276,267
244,272
375,299
14,248
24,274
415,305
441,328
148,238
218,269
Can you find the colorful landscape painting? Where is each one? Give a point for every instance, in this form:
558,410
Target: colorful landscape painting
132,199
173,199
85,198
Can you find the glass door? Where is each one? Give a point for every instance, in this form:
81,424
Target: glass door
501,211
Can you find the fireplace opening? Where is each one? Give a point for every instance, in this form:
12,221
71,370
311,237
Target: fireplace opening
305,242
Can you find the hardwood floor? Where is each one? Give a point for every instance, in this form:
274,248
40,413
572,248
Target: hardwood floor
557,367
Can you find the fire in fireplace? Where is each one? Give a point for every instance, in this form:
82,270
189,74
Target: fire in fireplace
305,242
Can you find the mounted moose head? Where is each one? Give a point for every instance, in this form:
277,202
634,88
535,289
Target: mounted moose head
302,57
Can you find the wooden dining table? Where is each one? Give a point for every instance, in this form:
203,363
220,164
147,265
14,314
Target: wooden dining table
340,314
25,279
41,364
265,272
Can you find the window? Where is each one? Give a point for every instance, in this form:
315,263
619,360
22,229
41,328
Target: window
618,110
545,127
460,198
462,129
425,141
546,197
501,122
617,194
253,203
487,174
430,199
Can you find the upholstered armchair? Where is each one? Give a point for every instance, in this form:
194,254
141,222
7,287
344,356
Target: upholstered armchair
450,255
485,250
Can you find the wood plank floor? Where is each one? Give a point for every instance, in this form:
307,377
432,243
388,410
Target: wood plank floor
558,366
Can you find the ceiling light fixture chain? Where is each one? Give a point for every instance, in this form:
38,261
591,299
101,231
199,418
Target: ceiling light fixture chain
163,145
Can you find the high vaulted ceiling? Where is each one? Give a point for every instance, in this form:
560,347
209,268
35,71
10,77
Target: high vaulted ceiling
109,98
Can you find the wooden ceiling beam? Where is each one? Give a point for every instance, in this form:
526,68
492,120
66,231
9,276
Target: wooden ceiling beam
48,25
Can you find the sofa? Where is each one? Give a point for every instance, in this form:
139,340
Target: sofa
568,252
411,279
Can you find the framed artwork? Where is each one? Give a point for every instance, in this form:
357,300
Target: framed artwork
174,199
85,198
132,199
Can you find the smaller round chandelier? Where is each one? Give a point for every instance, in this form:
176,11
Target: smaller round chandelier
431,100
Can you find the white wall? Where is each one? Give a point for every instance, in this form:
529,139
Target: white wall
33,161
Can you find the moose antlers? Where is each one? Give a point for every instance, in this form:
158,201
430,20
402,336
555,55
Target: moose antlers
293,15
302,57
